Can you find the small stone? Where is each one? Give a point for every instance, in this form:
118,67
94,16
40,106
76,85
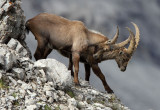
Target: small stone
80,97
47,87
108,108
44,80
98,108
3,100
19,73
51,84
39,80
2,58
62,99
81,105
29,101
72,102
20,82
11,98
44,98
84,83
90,108
33,95
63,107
98,105
26,86
49,93
13,81
72,108
23,93
31,107
34,86
42,72
50,100
10,60
61,93
55,96
94,92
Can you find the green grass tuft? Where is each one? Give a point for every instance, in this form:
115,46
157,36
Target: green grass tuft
46,107
2,84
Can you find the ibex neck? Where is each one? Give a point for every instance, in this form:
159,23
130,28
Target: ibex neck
96,37
110,55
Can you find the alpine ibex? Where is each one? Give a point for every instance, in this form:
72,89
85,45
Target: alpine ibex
55,32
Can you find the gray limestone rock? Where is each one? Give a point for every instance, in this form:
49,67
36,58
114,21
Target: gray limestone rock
31,107
20,73
12,24
63,107
8,58
14,44
55,71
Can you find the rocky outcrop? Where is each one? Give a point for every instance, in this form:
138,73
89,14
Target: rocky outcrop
45,84
42,85
12,23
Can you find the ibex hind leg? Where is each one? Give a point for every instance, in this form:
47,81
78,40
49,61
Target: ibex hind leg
41,48
87,71
75,59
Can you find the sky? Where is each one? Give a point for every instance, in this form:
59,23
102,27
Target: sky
137,87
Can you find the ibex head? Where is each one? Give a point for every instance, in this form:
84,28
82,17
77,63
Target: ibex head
118,52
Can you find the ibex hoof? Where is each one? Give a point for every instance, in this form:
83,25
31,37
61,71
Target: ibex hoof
110,91
77,85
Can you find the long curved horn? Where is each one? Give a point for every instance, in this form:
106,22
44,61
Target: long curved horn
122,44
137,36
132,44
113,41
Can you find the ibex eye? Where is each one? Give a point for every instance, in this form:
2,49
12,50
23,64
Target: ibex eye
109,41
120,53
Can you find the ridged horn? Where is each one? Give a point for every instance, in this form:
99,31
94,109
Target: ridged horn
132,44
113,41
137,35
122,44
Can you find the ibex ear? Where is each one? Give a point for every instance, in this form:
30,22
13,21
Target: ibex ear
106,48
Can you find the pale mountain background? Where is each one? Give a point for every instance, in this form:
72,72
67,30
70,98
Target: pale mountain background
138,87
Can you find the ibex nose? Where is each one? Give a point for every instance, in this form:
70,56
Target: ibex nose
123,68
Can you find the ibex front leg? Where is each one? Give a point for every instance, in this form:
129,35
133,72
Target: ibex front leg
75,59
98,72
42,51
